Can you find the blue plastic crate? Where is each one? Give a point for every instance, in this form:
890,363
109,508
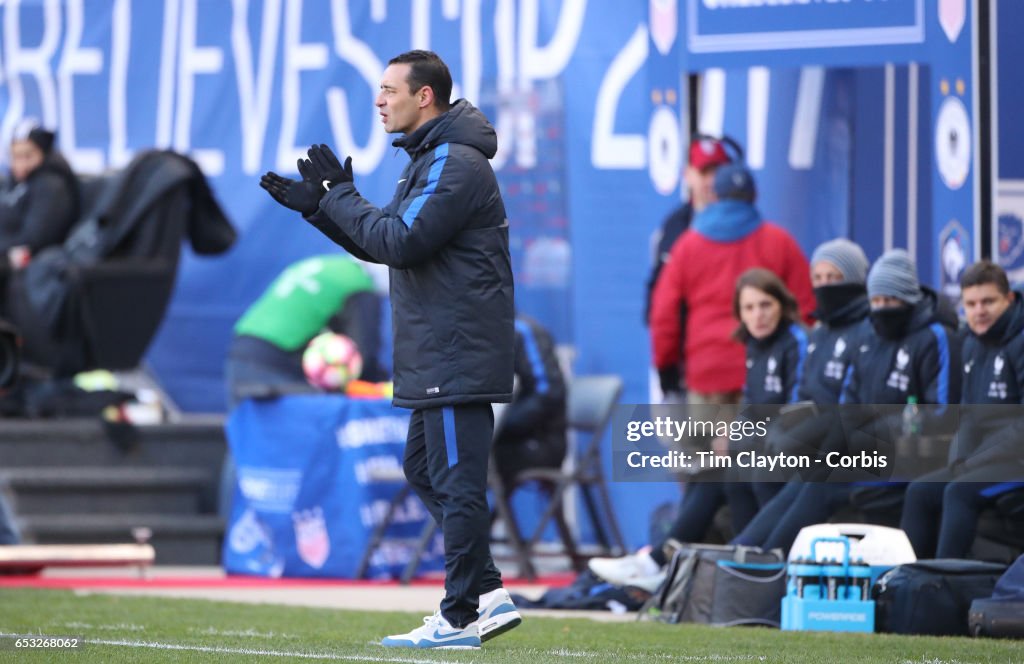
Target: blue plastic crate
834,615
829,595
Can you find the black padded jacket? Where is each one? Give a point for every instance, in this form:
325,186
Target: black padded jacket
445,237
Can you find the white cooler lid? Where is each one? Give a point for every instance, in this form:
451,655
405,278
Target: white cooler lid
875,545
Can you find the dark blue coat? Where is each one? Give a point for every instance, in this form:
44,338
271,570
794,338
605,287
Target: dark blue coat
40,211
830,348
775,365
673,226
924,363
992,426
445,237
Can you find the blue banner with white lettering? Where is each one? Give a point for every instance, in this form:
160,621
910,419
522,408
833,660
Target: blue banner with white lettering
316,474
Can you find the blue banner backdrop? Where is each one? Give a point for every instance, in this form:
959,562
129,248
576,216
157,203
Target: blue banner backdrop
588,97
309,495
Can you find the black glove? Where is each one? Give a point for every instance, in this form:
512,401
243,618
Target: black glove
299,195
671,382
327,166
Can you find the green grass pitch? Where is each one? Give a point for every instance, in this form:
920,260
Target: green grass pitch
148,629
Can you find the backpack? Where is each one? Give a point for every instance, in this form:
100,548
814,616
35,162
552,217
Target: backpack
932,596
720,585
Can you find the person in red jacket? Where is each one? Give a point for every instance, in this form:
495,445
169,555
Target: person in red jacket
726,239
704,157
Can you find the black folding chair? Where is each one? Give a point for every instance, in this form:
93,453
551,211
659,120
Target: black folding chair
591,402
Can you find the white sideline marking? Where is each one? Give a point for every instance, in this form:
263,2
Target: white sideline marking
206,631
128,627
563,652
213,631
220,650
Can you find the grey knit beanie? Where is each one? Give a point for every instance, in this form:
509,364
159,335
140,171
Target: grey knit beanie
895,275
845,255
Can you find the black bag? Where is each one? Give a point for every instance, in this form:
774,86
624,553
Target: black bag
932,596
720,585
997,618
1001,615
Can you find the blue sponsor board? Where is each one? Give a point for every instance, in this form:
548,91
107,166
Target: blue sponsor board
315,476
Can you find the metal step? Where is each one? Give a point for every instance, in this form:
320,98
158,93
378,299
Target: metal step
86,442
92,490
78,481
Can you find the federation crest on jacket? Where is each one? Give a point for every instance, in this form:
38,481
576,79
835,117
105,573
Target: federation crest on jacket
997,388
898,377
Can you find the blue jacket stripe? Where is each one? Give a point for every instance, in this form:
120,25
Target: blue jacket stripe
801,355
846,382
943,343
1000,488
450,443
533,354
433,177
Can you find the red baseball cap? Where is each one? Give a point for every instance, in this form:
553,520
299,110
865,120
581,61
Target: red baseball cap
706,152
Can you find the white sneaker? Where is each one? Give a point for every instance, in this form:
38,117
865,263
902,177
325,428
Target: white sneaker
497,614
638,569
436,632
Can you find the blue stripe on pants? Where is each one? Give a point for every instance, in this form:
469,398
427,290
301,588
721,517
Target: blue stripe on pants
450,442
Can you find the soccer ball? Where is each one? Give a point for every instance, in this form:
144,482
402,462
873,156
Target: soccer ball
331,360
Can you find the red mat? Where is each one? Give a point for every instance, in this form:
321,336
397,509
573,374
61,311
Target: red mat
239,582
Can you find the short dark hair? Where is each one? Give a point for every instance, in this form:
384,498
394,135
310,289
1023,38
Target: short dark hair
985,272
427,68
767,282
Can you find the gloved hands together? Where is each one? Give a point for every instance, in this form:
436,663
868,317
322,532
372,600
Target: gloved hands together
299,195
328,168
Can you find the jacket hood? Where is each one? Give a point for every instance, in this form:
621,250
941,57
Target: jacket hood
1008,326
463,124
727,221
932,309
